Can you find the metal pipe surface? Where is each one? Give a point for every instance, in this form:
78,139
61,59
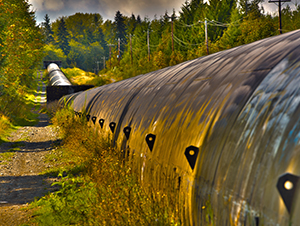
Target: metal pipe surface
225,126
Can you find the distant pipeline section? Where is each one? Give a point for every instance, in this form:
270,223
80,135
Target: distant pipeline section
59,85
225,128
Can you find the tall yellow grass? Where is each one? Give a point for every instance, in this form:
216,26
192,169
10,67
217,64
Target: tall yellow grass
104,191
4,125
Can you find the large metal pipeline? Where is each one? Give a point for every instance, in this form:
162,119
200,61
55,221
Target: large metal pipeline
59,84
56,76
225,127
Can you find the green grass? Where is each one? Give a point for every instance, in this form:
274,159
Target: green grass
17,111
7,156
5,128
97,187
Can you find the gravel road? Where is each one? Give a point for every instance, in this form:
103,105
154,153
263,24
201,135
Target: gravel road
20,179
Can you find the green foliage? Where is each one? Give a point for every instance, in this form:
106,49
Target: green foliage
100,81
5,125
219,10
253,29
6,157
63,37
230,23
51,52
70,205
47,30
120,26
81,39
21,52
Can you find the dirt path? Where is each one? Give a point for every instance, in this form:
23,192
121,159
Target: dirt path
20,181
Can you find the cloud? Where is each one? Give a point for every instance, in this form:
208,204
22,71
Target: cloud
107,8
53,5
142,7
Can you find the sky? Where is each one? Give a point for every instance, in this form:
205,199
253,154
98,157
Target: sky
108,8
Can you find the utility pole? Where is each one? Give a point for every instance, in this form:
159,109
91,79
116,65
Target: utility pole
148,43
206,37
279,11
97,62
110,45
119,45
103,61
172,34
131,58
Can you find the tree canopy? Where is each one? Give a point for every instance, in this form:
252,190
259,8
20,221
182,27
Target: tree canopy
21,48
170,39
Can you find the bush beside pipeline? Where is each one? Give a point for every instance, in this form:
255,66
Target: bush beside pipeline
224,126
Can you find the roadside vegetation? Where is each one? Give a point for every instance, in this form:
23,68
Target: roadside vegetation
96,186
78,76
21,51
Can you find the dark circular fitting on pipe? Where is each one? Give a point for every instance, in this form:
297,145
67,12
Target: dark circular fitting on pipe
127,131
112,126
101,122
88,117
287,186
94,118
191,154
150,139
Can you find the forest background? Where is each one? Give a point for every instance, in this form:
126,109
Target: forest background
127,46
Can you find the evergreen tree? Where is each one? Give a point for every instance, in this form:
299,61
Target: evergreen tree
63,37
131,24
220,11
232,33
120,29
165,19
46,30
296,18
138,19
120,26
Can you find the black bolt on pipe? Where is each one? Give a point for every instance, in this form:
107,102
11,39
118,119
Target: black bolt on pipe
101,122
112,126
287,186
150,139
191,154
127,131
94,118
88,117
80,114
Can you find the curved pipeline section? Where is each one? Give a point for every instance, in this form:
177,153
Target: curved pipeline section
59,85
56,76
225,127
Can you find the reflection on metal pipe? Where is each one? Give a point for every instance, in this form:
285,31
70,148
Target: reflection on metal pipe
226,127
56,76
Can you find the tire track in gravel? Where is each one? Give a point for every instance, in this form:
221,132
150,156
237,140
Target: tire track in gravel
20,181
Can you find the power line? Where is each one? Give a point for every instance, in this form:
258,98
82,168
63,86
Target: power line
186,43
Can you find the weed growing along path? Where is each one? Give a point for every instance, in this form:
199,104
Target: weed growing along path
22,159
